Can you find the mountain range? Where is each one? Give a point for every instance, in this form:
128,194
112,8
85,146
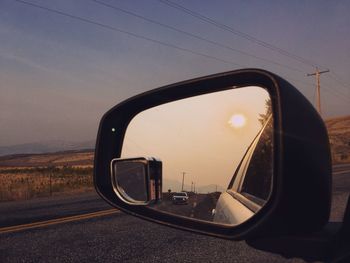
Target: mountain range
338,130
46,147
175,186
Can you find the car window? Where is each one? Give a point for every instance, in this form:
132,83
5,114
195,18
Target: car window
242,167
257,182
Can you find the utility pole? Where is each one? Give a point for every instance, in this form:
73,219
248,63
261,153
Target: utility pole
183,181
317,74
192,186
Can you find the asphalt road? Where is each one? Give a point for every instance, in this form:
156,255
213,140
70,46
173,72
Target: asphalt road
341,191
198,206
23,212
122,238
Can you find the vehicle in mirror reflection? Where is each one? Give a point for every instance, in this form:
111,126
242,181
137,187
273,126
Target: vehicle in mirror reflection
180,198
216,153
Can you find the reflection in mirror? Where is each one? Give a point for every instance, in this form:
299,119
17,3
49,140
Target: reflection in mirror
137,180
216,150
130,179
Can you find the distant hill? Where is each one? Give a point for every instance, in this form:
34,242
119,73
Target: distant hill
67,158
175,186
60,152
210,188
46,147
339,137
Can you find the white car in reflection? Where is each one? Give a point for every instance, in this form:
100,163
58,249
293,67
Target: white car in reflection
180,198
251,184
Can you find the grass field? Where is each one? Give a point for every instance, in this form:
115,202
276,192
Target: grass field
19,183
26,176
339,137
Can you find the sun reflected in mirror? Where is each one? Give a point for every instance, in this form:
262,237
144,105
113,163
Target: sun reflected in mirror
237,121
216,161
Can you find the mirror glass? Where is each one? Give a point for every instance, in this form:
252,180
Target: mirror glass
130,179
216,151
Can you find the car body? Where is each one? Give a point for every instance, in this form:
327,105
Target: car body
180,198
243,197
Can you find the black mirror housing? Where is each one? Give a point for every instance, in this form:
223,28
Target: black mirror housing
301,196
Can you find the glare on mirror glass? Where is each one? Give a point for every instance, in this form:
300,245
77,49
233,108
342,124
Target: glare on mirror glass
216,151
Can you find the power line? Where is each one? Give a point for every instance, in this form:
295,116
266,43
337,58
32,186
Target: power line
335,93
197,37
345,99
193,35
237,32
127,32
337,79
131,34
241,34
338,94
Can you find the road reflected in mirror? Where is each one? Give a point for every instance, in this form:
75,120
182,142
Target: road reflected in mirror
216,152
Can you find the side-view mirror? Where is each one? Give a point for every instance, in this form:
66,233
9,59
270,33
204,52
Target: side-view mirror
238,155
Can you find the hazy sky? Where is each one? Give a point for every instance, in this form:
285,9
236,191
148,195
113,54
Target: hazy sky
59,75
195,136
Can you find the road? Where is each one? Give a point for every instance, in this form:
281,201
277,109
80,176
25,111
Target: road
199,206
119,237
341,190
41,209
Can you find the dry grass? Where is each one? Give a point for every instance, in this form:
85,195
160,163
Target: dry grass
73,158
339,137
19,183
27,176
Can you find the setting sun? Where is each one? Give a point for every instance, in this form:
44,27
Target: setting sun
237,121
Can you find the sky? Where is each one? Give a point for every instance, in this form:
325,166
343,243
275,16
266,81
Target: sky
195,135
59,75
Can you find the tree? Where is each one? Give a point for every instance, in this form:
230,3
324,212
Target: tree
264,117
